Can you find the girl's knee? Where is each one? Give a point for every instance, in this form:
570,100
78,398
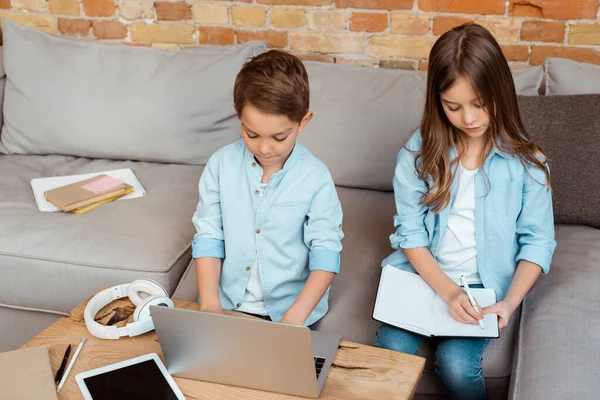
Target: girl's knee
389,337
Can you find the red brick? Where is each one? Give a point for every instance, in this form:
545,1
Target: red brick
442,24
296,2
515,52
99,8
463,6
541,31
273,39
5,4
74,27
368,22
540,53
109,30
423,65
217,36
167,11
376,4
316,57
571,9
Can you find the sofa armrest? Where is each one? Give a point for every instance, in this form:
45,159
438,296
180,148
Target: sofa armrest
557,351
188,285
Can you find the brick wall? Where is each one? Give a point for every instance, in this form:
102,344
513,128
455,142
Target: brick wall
384,33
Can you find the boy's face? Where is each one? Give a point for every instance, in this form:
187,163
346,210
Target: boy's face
270,137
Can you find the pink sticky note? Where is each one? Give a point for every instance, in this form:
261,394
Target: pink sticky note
102,185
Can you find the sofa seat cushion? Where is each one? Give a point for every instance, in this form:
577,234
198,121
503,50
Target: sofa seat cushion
53,261
558,355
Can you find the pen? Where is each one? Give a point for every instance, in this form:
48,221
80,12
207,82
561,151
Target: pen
471,299
64,378
63,364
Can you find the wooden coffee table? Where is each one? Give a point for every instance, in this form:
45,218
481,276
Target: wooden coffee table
358,371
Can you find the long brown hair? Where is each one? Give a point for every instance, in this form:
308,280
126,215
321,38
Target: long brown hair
469,51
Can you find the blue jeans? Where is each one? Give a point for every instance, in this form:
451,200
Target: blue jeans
457,360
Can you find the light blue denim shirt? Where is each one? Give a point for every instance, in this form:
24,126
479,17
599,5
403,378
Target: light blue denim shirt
294,226
513,216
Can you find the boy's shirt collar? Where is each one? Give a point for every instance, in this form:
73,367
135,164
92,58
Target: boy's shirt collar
256,170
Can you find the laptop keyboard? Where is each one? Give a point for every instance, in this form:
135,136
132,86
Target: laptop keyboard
319,362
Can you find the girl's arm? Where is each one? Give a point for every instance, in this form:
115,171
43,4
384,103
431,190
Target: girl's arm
535,235
524,279
458,302
412,238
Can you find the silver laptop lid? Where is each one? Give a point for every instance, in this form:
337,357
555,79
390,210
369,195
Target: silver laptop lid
237,351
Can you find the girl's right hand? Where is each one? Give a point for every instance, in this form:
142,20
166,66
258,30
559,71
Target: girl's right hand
461,309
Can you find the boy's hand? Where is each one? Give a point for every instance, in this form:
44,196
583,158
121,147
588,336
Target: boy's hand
212,307
461,309
503,310
292,318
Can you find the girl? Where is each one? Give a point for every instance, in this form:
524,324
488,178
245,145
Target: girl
473,198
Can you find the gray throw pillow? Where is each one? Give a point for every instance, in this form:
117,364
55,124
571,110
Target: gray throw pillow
72,97
567,128
571,77
363,117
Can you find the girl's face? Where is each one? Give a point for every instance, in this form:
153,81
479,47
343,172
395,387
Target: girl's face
464,109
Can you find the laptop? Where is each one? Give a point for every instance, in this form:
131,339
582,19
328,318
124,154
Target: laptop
247,352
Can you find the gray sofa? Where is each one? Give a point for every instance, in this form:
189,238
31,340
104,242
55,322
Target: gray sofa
72,107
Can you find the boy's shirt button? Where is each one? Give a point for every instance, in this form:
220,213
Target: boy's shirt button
257,231
247,268
253,164
257,192
238,305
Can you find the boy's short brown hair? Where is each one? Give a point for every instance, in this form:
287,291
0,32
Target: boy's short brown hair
275,82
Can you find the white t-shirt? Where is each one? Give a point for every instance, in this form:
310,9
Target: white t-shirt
457,254
253,301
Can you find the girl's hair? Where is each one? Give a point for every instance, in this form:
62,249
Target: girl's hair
472,52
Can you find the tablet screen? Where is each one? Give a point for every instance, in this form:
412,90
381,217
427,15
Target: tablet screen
139,381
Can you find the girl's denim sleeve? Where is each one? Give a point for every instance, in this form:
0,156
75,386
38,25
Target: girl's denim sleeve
408,191
323,227
209,241
535,223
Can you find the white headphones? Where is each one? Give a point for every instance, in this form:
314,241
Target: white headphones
143,293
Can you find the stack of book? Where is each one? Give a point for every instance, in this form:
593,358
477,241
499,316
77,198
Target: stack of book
88,194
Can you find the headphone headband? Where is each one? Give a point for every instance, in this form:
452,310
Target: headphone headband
155,294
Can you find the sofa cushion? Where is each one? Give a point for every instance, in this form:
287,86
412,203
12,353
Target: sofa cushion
558,355
363,117
73,97
571,77
566,127
53,261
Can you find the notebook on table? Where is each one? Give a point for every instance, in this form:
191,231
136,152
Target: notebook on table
87,192
406,301
26,374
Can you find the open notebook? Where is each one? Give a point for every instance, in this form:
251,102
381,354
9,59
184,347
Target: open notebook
405,300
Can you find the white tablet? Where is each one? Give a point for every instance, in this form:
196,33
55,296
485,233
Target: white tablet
143,377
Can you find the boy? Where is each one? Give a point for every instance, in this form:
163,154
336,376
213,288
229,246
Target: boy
269,220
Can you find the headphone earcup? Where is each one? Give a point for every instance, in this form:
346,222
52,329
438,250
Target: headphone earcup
142,311
149,287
